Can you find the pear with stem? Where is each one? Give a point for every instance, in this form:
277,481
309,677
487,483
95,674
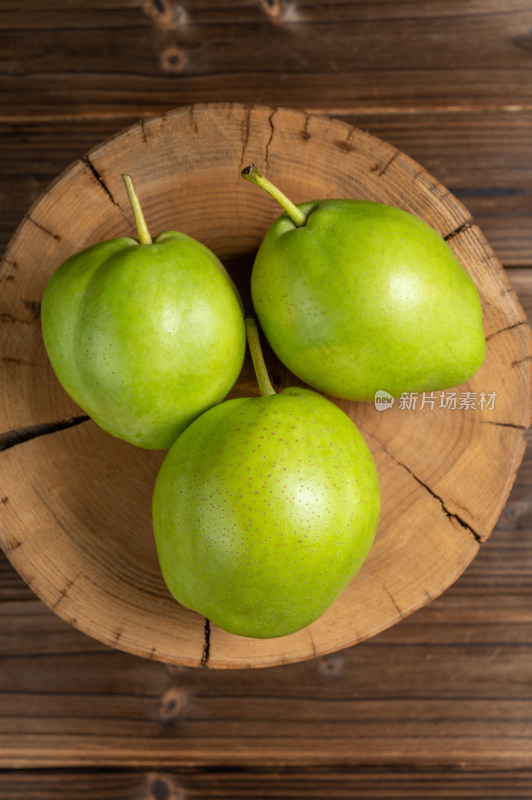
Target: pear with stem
265,508
144,334
356,297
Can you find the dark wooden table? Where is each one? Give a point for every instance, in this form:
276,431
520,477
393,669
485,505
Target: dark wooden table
439,706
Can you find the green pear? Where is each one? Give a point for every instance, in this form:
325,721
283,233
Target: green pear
264,509
355,297
144,335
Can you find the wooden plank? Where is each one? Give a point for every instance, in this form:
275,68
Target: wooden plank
285,784
12,587
28,14
448,686
377,57
482,160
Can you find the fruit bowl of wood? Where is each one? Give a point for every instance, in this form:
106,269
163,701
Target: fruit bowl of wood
76,502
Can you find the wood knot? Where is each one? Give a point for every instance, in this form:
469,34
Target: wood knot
171,707
332,666
174,669
173,59
272,7
280,11
159,789
516,515
524,42
162,787
166,15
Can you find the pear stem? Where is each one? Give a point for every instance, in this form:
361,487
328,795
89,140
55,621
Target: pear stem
263,379
142,229
252,175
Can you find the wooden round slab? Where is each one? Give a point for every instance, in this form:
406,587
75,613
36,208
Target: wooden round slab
75,503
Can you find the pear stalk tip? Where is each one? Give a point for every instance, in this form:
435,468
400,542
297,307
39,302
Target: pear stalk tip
253,175
249,171
142,229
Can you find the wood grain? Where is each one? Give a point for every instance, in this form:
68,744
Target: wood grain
241,784
481,159
449,686
462,109
377,57
435,511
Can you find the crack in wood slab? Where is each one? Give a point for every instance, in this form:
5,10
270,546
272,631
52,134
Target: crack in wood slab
20,435
345,144
450,514
394,601
521,361
64,591
9,318
245,136
507,328
460,229
304,133
43,228
447,512
206,644
312,644
99,179
192,119
142,124
268,143
380,169
514,425
86,160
